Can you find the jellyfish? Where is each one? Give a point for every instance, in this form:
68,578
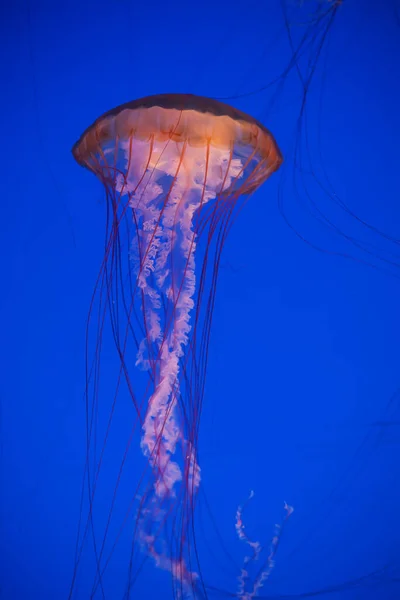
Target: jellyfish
176,169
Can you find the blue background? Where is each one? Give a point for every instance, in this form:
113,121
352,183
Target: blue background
301,401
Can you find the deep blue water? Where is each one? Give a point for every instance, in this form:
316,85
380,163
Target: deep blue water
301,403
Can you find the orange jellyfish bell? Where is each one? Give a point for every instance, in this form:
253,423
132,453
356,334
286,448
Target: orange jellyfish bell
187,125
174,167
